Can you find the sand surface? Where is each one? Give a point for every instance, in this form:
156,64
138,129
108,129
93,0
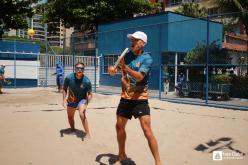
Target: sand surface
34,132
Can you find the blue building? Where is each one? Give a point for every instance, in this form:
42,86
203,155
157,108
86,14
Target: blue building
24,50
21,61
170,37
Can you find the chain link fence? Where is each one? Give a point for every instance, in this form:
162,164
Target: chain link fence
212,70
213,73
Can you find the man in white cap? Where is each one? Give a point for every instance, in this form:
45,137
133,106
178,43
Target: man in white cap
134,97
2,77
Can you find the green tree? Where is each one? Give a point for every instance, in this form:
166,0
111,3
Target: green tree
89,13
192,10
239,6
216,56
14,13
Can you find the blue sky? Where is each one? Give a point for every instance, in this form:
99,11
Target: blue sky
43,1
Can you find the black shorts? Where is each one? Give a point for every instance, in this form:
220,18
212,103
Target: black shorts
136,108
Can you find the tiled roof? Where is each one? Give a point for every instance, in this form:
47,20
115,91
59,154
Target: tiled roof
237,36
235,47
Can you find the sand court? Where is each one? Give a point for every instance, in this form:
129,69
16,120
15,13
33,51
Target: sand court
34,131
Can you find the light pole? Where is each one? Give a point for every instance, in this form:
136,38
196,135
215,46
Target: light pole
242,64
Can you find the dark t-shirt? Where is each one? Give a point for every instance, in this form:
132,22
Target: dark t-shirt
77,88
132,89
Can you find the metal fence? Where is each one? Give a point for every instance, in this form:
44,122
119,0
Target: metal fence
47,68
39,69
212,73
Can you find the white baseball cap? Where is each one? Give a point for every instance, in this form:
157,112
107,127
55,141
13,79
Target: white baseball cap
138,35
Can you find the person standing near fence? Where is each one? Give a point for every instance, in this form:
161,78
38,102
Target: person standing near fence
2,77
180,80
134,96
59,76
77,93
166,86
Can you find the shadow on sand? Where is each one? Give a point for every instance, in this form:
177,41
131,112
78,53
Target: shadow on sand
112,159
68,131
218,144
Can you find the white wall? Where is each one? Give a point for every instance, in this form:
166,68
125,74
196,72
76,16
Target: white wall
24,69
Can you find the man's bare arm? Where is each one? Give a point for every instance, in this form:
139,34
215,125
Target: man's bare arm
138,76
64,97
89,97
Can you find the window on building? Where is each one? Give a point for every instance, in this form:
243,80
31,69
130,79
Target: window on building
174,2
169,58
179,2
91,52
109,59
214,10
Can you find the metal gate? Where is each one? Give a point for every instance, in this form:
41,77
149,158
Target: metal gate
47,67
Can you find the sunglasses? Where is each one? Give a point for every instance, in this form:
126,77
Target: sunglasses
79,68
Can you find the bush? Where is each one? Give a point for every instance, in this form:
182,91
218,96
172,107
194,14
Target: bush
220,79
239,87
239,84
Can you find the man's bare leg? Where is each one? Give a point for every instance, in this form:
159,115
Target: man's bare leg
82,111
121,137
145,123
70,115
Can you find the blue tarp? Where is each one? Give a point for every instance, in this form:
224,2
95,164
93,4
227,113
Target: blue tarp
24,50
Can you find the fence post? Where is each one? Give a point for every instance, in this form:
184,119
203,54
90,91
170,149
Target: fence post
73,55
14,63
46,59
64,45
95,63
206,59
160,81
175,79
37,68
